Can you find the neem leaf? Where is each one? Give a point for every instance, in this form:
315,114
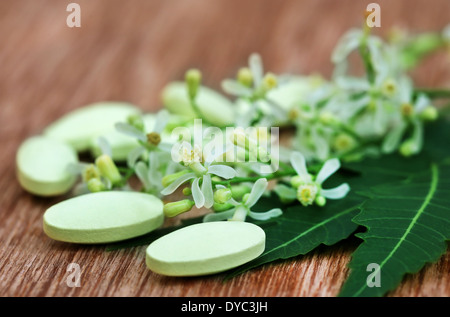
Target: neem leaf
408,223
301,229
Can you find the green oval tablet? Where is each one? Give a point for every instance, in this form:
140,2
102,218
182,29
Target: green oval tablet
80,126
42,166
214,107
205,248
103,217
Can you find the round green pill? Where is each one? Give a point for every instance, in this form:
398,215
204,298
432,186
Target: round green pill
103,217
42,166
205,248
79,127
213,106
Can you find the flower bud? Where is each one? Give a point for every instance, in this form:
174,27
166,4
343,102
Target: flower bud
222,195
95,185
430,113
193,79
187,191
90,172
238,191
321,201
108,169
407,148
222,207
178,207
169,179
245,77
270,81
136,121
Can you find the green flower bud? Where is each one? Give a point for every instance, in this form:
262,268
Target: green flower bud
344,142
327,118
430,113
245,77
238,191
169,179
90,172
270,81
320,201
187,191
136,121
108,169
222,195
178,207
193,80
222,207
95,185
407,148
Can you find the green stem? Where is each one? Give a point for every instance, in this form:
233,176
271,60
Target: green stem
365,55
290,172
432,93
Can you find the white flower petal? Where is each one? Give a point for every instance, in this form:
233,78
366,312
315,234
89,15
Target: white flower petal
134,155
165,146
349,42
197,194
104,146
141,171
393,138
336,193
161,120
329,168
421,103
235,88
176,183
223,171
256,67
129,130
265,215
207,191
298,162
417,136
219,216
257,191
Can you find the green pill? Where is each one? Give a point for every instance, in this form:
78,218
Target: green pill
42,166
103,217
79,127
213,106
205,248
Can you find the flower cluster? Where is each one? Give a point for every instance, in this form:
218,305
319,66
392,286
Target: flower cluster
344,118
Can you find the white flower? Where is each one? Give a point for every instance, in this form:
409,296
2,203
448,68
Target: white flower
201,173
243,209
411,112
151,174
152,138
309,188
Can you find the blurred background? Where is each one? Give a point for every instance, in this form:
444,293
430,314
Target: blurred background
128,51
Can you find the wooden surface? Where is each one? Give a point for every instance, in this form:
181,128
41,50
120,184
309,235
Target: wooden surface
128,50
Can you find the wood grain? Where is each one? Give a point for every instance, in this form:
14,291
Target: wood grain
129,51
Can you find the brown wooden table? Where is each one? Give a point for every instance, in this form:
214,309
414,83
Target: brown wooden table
128,50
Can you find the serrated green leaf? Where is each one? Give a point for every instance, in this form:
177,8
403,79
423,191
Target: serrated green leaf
408,223
302,229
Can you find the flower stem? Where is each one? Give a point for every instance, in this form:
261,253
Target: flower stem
433,93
